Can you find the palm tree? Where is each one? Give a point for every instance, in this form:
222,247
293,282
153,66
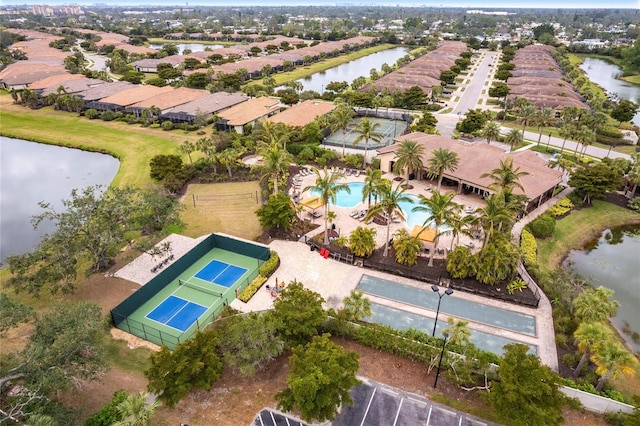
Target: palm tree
612,360
586,137
494,216
275,162
441,209
460,224
269,132
514,137
543,117
526,114
327,186
388,204
491,131
458,331
341,118
595,305
567,131
442,160
409,158
506,177
367,131
356,306
135,410
372,182
588,336
187,147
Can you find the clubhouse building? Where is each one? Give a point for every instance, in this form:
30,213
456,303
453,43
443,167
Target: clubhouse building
475,159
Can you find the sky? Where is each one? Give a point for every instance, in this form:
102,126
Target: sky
470,4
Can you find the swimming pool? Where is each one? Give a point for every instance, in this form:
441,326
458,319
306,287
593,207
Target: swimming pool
354,198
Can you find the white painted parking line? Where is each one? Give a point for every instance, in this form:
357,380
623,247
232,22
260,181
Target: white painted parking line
429,416
398,412
368,405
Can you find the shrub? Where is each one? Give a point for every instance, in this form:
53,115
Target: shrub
561,208
543,226
354,160
167,125
252,288
91,113
267,268
610,132
109,414
634,204
461,263
108,115
516,285
529,248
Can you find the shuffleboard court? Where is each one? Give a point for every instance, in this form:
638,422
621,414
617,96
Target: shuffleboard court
177,313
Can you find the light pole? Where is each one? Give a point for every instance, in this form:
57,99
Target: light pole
446,336
548,142
447,292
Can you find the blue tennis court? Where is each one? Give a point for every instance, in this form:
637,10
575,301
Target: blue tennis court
177,313
220,273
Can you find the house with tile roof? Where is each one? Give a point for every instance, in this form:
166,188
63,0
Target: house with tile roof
301,114
208,105
166,100
122,99
238,116
475,159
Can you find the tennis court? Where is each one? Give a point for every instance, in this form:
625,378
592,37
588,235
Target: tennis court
187,295
389,129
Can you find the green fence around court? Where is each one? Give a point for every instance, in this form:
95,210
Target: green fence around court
120,315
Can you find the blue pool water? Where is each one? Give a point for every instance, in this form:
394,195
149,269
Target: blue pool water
460,308
354,198
402,320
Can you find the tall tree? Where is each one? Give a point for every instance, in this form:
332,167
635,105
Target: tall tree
543,118
586,137
595,305
188,148
491,131
527,392
342,117
594,181
506,177
442,160
514,137
440,209
409,158
526,113
367,131
612,360
494,216
568,131
362,241
372,182
389,205
275,162
297,314
327,186
320,378
590,335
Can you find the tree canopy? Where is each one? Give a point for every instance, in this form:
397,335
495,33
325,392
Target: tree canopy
297,314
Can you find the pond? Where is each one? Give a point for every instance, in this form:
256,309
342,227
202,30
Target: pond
352,70
611,261
32,172
195,47
607,75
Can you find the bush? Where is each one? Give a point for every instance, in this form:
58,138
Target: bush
267,268
529,248
561,208
108,115
109,414
610,132
91,113
246,294
354,160
167,125
634,204
434,107
543,226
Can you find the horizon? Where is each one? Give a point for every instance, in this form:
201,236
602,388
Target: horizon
465,4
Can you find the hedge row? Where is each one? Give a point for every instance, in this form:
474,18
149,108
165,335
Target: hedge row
529,248
264,272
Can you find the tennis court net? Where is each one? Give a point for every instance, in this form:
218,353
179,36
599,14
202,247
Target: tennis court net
199,288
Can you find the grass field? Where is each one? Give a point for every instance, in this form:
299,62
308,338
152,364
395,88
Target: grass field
228,213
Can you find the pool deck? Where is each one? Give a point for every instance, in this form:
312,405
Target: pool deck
334,280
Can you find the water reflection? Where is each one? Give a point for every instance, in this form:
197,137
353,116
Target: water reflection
31,173
611,260
606,74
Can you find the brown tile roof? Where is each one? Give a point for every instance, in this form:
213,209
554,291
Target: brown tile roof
164,101
55,80
136,94
479,158
104,90
75,86
209,104
246,112
303,113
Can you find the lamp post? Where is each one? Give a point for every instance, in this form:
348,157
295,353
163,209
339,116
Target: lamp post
447,292
446,336
548,142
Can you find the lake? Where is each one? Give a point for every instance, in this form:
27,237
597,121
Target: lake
352,70
612,261
607,75
32,172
